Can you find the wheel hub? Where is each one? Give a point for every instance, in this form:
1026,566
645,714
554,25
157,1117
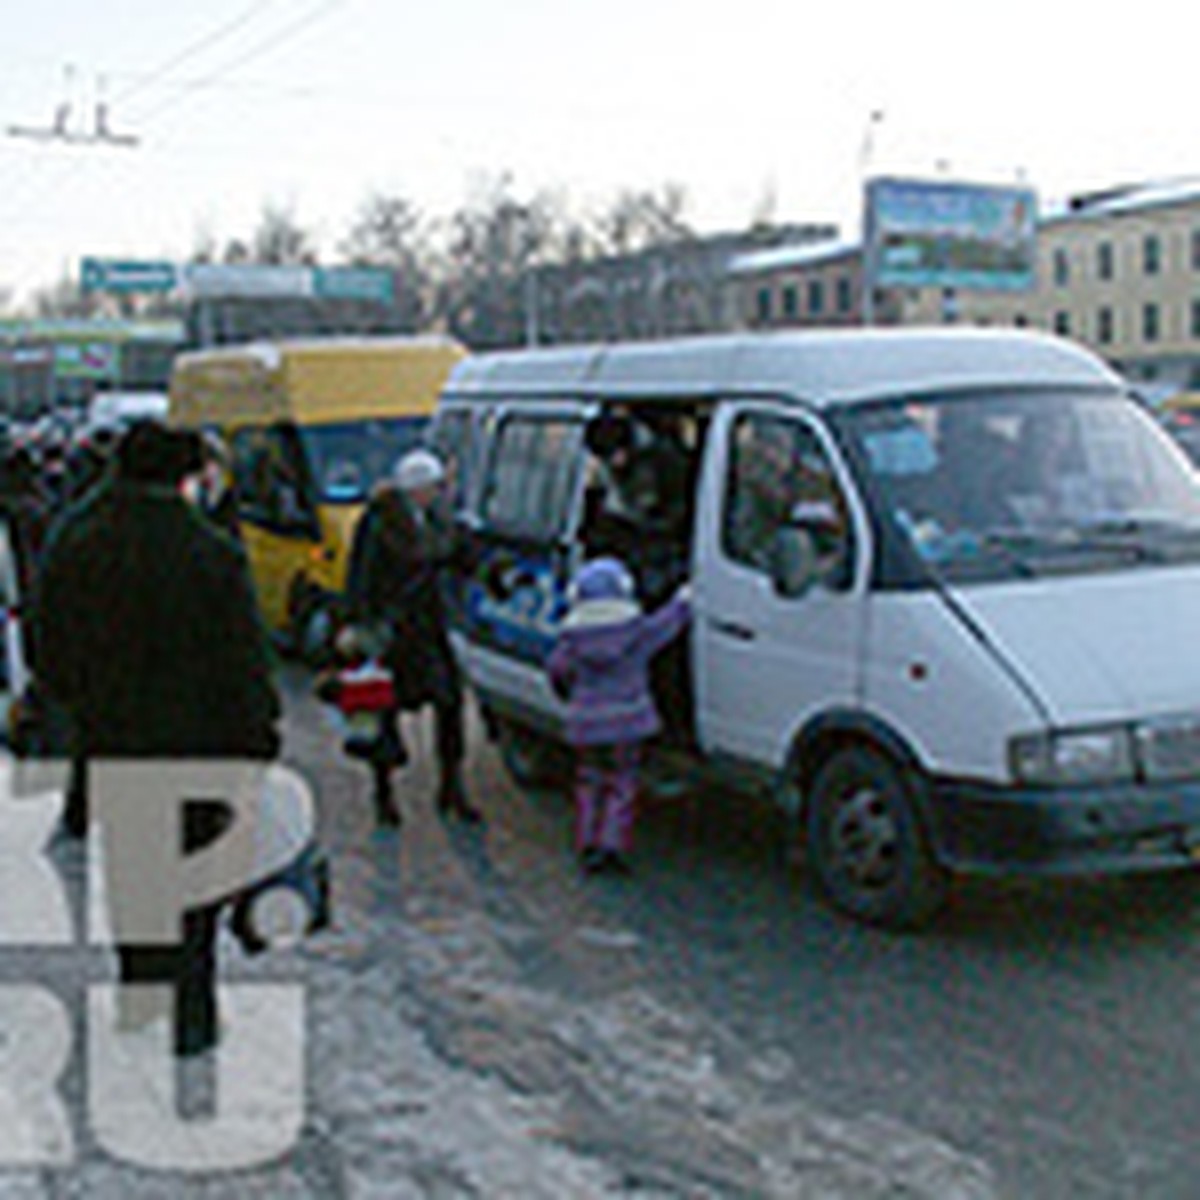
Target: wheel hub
865,837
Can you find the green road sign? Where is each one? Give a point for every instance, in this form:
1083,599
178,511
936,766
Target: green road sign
354,283
127,275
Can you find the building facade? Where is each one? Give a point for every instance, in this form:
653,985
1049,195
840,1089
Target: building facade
48,364
1117,270
668,290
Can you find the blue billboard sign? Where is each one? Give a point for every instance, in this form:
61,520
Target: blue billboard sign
950,235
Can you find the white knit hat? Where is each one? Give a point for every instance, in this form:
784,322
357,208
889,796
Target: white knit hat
418,469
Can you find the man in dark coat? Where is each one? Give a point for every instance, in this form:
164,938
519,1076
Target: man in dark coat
145,630
401,547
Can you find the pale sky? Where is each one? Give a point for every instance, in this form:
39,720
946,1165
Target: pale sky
313,104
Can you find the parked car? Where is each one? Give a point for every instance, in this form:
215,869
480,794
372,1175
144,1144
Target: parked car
1181,418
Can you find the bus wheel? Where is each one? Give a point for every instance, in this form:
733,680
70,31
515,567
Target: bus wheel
866,844
532,759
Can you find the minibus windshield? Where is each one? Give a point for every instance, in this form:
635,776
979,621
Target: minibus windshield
349,458
1027,482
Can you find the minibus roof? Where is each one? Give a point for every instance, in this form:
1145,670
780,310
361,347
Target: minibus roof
828,367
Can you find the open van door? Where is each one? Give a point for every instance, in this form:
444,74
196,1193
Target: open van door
526,517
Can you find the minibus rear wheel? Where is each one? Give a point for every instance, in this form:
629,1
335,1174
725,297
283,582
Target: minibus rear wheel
867,846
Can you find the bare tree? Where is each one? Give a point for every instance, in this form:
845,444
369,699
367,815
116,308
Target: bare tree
645,220
493,248
65,298
280,239
389,231
204,246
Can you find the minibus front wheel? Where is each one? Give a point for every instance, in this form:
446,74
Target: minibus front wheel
867,846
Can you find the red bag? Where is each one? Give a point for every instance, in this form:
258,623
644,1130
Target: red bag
365,689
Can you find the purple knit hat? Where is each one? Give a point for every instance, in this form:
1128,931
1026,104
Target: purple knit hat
602,579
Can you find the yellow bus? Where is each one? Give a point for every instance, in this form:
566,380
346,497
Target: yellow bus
311,426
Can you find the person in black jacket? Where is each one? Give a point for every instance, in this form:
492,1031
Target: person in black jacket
401,546
145,630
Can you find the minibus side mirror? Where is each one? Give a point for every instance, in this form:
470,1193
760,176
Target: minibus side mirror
793,562
806,548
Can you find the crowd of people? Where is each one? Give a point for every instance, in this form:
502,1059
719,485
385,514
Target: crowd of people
144,642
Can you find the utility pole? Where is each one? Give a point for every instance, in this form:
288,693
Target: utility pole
59,129
867,237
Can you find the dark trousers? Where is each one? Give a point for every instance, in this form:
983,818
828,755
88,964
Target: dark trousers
448,728
444,691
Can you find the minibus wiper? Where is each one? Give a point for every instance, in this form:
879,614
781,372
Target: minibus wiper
1148,539
998,546
1035,552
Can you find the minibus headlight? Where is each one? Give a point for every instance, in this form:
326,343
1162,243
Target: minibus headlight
1169,747
1099,754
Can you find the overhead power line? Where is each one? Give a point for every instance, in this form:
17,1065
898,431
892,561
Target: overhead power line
256,51
193,49
70,172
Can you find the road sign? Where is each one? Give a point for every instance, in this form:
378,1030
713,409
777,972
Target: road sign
127,275
354,283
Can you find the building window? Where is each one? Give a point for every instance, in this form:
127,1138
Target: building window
845,295
1104,326
791,301
1150,322
1062,268
1062,323
1151,254
1196,318
763,305
1196,249
816,297
1104,260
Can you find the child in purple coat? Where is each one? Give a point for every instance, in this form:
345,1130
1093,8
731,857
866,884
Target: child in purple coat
600,663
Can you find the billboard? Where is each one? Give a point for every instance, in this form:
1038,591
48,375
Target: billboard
950,235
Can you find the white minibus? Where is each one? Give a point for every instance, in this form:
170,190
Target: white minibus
945,588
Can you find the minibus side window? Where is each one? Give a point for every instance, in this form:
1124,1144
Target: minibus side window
451,440
779,475
530,483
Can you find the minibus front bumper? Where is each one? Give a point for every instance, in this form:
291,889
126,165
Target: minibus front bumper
1064,831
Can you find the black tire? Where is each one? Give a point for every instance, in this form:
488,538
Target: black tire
866,843
531,758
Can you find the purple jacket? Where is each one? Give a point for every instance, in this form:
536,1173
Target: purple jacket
601,662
